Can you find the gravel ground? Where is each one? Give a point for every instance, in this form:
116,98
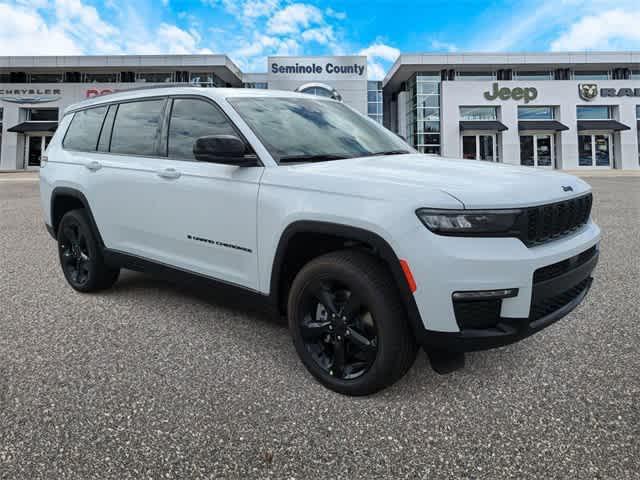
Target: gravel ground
153,380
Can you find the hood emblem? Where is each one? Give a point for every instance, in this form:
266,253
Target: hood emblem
567,188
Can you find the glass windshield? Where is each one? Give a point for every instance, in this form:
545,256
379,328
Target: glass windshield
301,129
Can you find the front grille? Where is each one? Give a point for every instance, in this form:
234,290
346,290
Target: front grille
477,314
557,269
549,305
548,222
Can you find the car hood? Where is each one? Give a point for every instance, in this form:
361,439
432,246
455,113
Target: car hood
476,184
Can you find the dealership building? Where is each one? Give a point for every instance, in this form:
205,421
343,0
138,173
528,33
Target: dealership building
547,110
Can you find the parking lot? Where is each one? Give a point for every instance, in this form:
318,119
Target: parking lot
156,380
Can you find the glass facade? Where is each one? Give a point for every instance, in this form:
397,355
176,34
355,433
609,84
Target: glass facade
534,75
594,112
260,85
536,113
592,75
154,77
374,100
205,79
423,112
42,114
478,113
101,77
476,75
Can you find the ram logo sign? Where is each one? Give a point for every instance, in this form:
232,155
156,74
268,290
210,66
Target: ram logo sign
588,91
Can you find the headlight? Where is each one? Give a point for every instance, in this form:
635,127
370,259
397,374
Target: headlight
470,222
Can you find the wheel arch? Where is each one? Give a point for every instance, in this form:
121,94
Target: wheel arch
65,199
349,236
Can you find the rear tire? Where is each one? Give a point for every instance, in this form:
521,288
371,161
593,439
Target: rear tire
81,256
348,323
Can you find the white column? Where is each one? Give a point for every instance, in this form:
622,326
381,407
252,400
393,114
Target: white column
627,152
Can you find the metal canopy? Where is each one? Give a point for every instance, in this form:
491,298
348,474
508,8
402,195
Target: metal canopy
26,127
542,125
613,125
488,125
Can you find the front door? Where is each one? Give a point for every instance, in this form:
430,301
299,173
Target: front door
537,150
482,146
34,148
595,150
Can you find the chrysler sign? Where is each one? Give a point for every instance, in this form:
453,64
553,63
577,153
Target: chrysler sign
30,95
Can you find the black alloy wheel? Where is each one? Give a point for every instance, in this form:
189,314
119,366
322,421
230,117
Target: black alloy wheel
338,330
81,256
74,253
348,324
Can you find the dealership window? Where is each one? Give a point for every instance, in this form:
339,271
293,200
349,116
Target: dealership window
154,77
84,129
423,112
191,119
479,113
635,75
534,75
374,100
46,77
478,75
480,146
136,129
42,114
536,113
259,85
591,75
537,150
594,112
205,79
101,77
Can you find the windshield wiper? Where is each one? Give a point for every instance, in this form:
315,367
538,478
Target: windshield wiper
311,158
389,152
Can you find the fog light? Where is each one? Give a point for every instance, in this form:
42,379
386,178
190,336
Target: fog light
485,294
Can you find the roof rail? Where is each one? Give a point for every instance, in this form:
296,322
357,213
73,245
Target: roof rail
152,87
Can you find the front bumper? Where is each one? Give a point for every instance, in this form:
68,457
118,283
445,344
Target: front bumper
552,299
444,265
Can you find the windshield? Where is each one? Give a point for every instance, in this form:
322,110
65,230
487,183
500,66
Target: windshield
301,129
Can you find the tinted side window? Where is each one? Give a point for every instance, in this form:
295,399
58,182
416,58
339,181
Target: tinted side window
105,133
84,129
137,127
190,119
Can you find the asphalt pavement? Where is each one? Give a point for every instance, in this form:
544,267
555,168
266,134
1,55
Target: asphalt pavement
157,380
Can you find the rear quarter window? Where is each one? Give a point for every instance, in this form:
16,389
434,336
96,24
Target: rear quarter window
84,129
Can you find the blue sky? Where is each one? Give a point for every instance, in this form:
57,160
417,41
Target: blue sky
250,30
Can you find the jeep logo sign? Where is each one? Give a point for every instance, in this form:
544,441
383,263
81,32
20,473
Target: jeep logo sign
517,93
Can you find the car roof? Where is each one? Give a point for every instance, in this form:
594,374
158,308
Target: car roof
161,90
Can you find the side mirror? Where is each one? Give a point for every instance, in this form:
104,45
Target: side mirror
227,149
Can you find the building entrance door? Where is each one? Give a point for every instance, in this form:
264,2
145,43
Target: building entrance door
537,150
595,150
34,148
482,146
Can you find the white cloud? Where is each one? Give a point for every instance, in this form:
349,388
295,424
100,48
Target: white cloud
321,35
293,18
377,54
443,46
260,8
332,13
612,29
30,35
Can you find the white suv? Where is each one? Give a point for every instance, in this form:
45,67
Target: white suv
370,248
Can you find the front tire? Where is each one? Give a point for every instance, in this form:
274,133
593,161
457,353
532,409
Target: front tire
81,256
348,323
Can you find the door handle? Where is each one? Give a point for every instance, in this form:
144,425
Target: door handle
169,173
93,165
